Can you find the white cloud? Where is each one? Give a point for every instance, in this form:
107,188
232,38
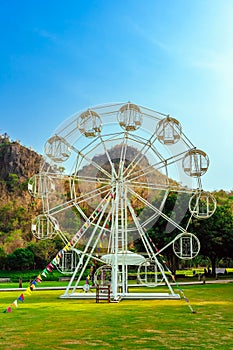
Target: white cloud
45,34
147,35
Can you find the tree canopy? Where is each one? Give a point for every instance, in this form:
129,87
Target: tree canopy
216,235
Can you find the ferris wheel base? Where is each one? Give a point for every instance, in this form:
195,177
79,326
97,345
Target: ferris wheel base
127,296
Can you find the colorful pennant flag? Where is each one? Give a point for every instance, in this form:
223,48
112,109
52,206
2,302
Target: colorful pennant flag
49,268
39,279
28,291
32,287
44,273
15,303
21,298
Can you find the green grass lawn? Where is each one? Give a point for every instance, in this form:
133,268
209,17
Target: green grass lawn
44,321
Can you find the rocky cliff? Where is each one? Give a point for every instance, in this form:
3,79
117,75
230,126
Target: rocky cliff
17,159
17,207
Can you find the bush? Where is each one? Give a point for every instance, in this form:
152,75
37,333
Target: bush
20,259
2,257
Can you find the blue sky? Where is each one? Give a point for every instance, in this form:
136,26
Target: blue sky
59,57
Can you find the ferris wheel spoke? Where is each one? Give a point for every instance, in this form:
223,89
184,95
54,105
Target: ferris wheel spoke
149,170
148,221
140,230
95,165
99,210
92,242
100,140
156,210
57,176
84,193
97,188
158,166
124,146
78,200
94,179
141,153
108,157
58,208
147,185
152,216
88,196
95,236
160,187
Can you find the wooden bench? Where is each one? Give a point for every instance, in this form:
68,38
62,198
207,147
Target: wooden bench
220,270
103,293
5,279
62,279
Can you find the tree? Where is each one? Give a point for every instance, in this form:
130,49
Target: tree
45,250
2,258
15,224
12,182
163,232
13,241
20,259
216,235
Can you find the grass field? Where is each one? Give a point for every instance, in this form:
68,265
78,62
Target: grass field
44,321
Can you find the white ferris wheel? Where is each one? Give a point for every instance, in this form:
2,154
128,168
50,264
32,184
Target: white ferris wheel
106,176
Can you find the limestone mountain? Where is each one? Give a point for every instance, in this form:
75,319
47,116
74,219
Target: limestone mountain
17,207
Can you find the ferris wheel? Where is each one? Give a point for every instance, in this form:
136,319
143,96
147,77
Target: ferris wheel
106,176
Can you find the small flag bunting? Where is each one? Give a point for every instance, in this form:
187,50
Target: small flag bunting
21,297
15,303
59,256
